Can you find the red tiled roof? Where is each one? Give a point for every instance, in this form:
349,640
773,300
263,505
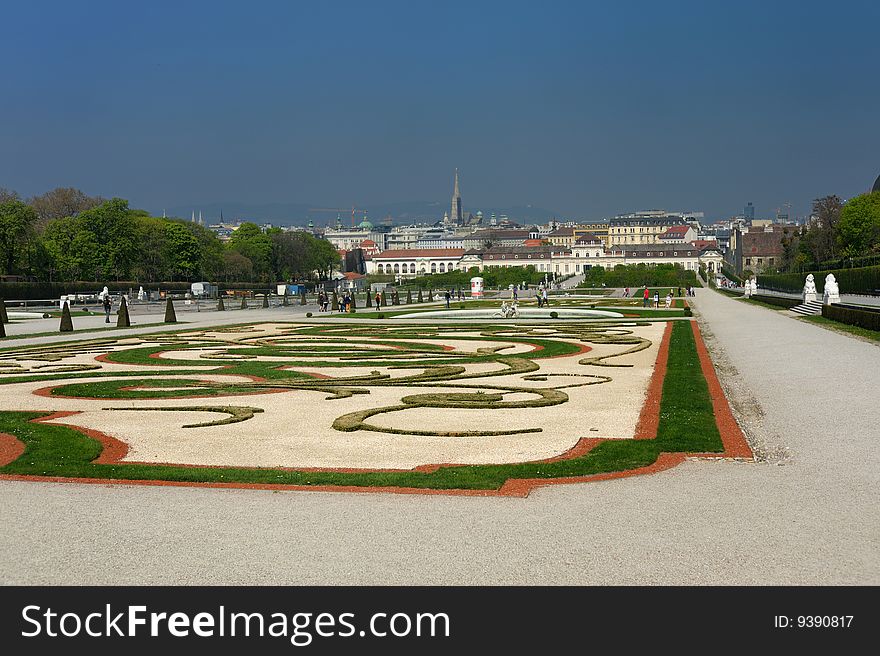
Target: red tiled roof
762,243
675,232
409,253
353,275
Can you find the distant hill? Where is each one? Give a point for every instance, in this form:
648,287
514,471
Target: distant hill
404,212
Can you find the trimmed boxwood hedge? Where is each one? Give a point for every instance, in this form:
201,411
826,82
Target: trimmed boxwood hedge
852,316
863,280
27,291
777,300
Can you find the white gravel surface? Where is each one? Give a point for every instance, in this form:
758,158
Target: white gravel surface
809,513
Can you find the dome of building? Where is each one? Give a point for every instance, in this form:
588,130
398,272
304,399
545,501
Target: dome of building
365,224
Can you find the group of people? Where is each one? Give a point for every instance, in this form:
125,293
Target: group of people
542,297
323,302
646,296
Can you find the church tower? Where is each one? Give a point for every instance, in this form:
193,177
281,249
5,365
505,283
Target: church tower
455,216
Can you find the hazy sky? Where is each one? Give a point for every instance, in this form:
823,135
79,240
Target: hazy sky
586,108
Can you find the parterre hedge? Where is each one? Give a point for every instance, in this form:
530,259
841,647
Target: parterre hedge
777,300
852,316
863,280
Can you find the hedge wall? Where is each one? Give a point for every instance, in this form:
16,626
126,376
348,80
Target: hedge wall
640,275
863,280
852,316
27,291
777,300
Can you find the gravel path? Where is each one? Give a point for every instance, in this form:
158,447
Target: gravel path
808,513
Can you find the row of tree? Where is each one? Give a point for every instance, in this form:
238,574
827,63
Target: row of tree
840,229
65,235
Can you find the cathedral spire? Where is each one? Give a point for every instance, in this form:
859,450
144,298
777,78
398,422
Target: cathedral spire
455,215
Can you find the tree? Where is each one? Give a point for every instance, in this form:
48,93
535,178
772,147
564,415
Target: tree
820,239
16,234
182,251
858,232
237,267
60,203
248,240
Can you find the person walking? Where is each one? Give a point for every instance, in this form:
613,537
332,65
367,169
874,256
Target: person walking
626,292
105,303
657,300
448,297
669,300
544,296
378,301
645,299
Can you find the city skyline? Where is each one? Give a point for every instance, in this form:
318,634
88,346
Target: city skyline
585,110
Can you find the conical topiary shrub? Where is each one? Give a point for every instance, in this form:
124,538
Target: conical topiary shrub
302,297
419,298
334,302
430,294
221,306
367,299
408,297
170,314
66,320
284,301
4,316
353,302
2,329
266,300
384,299
244,302
122,318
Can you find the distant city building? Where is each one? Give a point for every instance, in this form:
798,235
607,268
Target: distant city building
760,248
642,227
876,186
411,263
749,212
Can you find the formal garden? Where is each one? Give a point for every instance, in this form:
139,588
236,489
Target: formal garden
485,407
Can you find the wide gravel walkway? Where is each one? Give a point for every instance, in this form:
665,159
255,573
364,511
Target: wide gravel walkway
809,514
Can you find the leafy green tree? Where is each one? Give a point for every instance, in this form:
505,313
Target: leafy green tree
16,234
858,232
248,240
151,262
182,251
112,228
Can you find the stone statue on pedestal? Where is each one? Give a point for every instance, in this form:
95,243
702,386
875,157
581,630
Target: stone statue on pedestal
832,291
809,288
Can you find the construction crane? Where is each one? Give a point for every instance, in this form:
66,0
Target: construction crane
353,211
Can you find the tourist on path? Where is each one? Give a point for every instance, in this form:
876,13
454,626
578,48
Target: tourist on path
106,303
657,300
448,297
669,300
378,300
647,295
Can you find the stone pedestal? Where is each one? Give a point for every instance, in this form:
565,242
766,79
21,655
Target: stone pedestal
809,296
829,299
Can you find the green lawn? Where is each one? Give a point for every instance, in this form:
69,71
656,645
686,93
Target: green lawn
686,425
872,335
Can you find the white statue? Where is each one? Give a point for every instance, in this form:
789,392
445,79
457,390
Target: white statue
809,288
142,295
747,288
832,291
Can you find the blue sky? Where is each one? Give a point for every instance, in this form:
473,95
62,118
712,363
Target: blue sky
586,108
